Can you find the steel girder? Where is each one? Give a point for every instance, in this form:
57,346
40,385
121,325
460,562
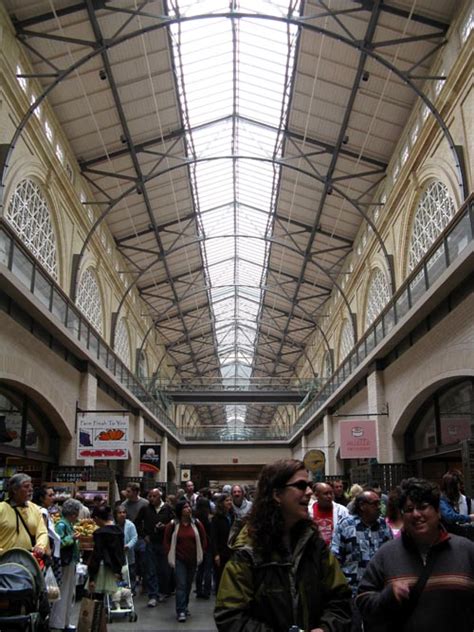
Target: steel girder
100,47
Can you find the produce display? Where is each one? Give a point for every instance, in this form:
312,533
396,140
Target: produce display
85,527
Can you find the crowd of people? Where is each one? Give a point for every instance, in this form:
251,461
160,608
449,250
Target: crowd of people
297,556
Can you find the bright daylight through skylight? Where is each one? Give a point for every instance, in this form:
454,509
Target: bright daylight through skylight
234,76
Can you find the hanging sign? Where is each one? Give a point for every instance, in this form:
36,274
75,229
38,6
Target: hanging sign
102,436
150,458
358,439
185,474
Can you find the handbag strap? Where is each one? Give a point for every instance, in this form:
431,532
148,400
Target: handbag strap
20,517
417,589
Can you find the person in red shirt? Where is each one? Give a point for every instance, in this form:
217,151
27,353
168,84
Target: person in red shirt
325,512
185,542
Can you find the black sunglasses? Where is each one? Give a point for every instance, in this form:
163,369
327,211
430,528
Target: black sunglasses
301,485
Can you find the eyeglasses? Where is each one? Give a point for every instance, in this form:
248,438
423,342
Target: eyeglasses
374,503
421,507
301,485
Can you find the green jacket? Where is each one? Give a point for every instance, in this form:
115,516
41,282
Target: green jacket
307,589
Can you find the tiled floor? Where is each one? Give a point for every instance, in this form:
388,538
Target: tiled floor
163,617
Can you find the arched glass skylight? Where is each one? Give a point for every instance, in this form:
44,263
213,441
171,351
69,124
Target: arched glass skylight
88,299
435,210
346,342
122,342
29,214
378,296
240,101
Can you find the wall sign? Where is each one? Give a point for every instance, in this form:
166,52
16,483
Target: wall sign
102,436
358,439
150,458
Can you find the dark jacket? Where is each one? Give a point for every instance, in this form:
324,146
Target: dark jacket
220,529
148,518
308,589
447,601
108,548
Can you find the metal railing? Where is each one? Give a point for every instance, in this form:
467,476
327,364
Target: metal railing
32,275
446,248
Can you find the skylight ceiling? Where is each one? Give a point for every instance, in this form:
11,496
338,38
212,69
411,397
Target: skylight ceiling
239,70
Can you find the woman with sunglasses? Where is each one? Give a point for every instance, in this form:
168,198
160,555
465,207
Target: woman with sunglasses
281,573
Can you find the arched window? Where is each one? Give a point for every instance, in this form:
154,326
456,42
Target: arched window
122,343
29,215
378,296
434,211
142,365
346,341
327,365
88,299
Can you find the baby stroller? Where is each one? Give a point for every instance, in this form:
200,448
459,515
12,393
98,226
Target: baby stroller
120,604
23,600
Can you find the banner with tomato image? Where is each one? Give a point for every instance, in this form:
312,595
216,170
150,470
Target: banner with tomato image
102,436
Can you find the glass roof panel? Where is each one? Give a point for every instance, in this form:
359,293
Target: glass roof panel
230,69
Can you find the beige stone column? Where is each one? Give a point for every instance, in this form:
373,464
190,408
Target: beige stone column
87,401
163,476
332,466
376,403
304,446
137,436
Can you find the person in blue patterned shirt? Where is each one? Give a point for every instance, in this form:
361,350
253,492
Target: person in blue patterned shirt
355,541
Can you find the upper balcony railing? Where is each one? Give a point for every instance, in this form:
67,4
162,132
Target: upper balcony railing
446,248
32,275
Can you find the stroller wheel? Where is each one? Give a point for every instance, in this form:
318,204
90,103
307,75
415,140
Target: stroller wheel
132,617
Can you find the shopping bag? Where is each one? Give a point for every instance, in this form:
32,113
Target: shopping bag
91,616
52,588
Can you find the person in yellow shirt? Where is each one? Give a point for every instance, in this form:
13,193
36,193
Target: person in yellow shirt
21,523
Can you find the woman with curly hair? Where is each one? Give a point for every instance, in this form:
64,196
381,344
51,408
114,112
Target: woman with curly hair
281,572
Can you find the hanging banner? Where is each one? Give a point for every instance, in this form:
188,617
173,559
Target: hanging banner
358,439
150,458
185,473
102,436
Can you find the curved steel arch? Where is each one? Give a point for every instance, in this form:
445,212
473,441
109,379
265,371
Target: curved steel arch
315,323
282,164
299,22
198,240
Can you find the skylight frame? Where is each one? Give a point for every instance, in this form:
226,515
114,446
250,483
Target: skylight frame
227,191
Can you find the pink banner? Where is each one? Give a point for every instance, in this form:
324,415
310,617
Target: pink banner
358,439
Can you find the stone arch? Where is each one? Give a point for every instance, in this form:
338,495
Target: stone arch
49,400
401,424
170,473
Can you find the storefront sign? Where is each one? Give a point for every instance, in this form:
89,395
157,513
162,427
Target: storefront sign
102,436
358,439
150,458
455,429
